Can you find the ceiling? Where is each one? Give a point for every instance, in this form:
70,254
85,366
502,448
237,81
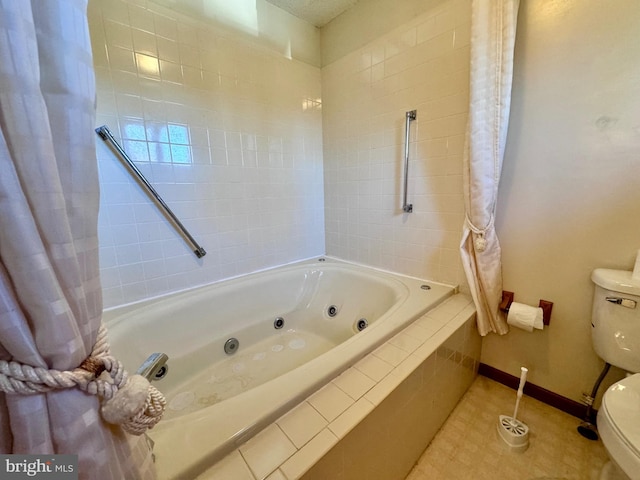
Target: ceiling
316,12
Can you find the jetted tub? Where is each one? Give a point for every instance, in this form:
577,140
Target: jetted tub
296,327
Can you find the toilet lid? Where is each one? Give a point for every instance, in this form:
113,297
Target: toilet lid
622,404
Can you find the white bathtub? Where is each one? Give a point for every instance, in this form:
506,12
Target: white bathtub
217,401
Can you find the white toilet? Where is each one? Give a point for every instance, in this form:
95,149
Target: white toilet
619,428
616,339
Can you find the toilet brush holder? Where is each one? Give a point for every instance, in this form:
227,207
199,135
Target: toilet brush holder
512,431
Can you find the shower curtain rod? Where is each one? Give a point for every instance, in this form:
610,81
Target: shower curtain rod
105,134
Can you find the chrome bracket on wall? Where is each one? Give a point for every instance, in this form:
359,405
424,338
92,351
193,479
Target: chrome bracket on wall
106,135
409,117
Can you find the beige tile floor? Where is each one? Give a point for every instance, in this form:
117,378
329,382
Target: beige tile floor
468,445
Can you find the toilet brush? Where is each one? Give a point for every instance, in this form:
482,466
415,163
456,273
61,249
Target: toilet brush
512,431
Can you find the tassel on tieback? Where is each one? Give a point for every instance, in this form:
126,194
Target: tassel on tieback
480,242
129,401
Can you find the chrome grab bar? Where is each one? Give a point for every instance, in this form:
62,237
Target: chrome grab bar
411,115
105,134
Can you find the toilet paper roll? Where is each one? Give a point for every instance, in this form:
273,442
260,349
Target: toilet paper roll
525,317
636,269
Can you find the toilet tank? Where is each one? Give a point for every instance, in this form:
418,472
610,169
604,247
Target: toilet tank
615,318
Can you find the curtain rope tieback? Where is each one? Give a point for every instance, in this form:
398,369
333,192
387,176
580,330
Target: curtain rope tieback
479,240
129,401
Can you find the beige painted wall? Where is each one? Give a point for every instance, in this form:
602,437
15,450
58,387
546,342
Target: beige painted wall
570,191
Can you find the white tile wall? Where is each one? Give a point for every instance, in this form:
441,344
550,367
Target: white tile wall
228,131
422,65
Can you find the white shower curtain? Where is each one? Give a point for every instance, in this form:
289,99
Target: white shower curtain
50,294
493,31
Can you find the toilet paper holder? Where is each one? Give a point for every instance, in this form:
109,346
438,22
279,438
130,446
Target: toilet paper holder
546,306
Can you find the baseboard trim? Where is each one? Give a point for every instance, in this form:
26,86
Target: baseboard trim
565,404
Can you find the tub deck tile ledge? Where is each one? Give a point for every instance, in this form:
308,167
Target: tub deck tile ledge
310,430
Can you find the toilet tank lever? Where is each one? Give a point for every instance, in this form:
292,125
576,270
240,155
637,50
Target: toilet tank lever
625,302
